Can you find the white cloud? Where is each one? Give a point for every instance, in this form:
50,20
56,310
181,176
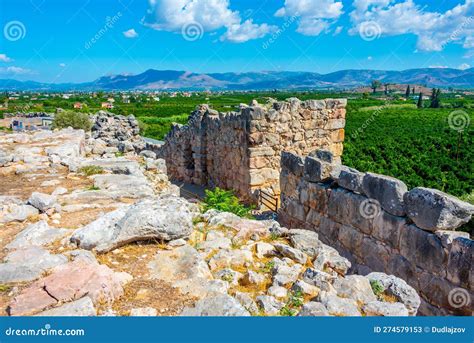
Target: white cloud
434,30
369,58
130,33
464,66
14,71
437,66
239,33
203,16
338,30
5,58
62,65
316,16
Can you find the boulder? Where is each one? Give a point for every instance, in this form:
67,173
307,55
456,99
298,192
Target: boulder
319,170
338,306
295,254
220,305
83,307
247,302
355,287
37,234
123,186
99,231
143,312
284,275
41,201
252,278
306,241
269,305
397,287
318,278
264,249
328,257
148,154
28,264
305,288
278,292
164,218
379,308
18,213
388,191
350,179
313,309
433,210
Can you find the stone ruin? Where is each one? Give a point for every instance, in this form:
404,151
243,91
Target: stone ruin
379,225
373,220
241,150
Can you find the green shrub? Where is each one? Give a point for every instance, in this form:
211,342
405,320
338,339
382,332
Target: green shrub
72,119
377,287
225,201
90,170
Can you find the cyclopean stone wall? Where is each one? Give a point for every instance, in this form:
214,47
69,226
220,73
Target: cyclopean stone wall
241,150
379,225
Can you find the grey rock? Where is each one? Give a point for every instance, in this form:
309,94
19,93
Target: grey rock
295,254
28,264
350,179
433,210
284,274
388,191
83,307
278,292
148,154
293,163
18,213
217,305
252,278
379,308
269,304
313,309
318,278
42,201
338,306
447,237
399,289
356,287
263,249
177,243
164,218
317,170
143,312
128,186
37,234
99,231
306,241
229,275
328,257
247,302
305,288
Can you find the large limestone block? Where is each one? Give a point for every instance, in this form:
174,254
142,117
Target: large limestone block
432,210
387,190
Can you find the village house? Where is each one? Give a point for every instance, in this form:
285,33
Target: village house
78,105
107,105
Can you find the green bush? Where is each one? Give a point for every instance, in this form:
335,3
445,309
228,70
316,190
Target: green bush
91,170
72,119
377,287
225,201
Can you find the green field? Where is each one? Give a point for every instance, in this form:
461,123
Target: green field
415,145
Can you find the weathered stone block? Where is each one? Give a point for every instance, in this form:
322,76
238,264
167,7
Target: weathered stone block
337,136
374,254
350,179
387,228
348,208
334,124
314,195
317,170
350,238
328,230
295,210
314,104
460,263
293,163
432,210
387,190
422,248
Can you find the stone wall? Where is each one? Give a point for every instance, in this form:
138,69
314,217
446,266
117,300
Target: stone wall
241,150
375,222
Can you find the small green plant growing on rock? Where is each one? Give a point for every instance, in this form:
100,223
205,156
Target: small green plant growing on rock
377,288
293,304
72,119
226,201
91,170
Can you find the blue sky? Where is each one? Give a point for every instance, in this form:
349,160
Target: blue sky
69,41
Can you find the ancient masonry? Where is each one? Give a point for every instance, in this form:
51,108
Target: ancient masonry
375,222
241,150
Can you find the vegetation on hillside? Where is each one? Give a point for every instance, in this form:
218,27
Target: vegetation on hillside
226,201
72,119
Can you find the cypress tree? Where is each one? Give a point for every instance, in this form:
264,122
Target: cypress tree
420,101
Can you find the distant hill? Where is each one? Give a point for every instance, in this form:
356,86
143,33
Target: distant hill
184,80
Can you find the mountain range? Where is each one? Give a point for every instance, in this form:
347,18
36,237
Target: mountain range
183,80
